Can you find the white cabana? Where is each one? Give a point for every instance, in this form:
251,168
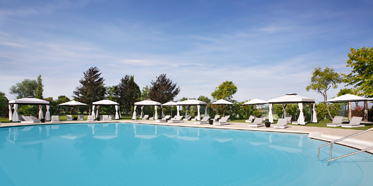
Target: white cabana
147,102
260,102
28,101
292,98
105,102
193,102
352,98
72,103
171,104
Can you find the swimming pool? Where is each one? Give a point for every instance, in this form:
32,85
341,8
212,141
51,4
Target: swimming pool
135,154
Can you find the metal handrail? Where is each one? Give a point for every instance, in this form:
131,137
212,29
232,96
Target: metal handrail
337,140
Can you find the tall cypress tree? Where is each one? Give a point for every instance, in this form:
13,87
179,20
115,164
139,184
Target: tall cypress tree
39,88
91,87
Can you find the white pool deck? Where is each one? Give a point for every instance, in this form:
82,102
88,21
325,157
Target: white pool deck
320,133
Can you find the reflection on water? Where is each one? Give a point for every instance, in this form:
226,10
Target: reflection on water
100,154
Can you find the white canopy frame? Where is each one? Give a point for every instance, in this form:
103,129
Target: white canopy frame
28,101
72,103
352,98
292,98
260,102
105,102
192,102
147,102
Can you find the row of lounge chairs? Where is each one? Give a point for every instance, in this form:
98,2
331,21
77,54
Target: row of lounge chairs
252,118
338,122
56,118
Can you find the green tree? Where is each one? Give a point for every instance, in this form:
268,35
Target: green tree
127,92
26,88
345,91
163,89
3,104
322,80
39,88
145,93
361,77
224,91
91,87
204,99
111,93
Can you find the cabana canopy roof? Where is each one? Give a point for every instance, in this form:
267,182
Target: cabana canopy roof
191,102
222,102
291,98
147,102
29,101
255,102
72,103
170,103
105,102
349,97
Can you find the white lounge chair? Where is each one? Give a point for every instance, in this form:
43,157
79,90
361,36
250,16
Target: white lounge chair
257,123
145,117
205,120
337,122
81,117
216,118
164,120
281,124
288,119
177,120
105,118
29,119
69,117
222,121
187,118
250,120
55,118
354,122
90,118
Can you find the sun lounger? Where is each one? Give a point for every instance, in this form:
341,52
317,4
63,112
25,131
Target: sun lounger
257,123
105,118
354,122
194,119
250,120
216,118
177,120
90,118
81,117
288,119
222,121
29,119
337,122
205,120
145,117
164,120
55,118
281,124
187,118
69,117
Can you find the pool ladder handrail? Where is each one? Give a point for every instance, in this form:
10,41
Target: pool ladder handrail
341,139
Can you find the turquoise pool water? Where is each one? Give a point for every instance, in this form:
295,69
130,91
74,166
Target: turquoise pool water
134,154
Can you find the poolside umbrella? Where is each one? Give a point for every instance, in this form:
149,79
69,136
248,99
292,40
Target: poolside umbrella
170,103
72,103
256,102
222,102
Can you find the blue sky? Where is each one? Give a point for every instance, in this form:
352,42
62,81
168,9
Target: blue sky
267,48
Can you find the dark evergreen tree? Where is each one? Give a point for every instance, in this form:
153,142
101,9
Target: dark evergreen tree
127,92
163,90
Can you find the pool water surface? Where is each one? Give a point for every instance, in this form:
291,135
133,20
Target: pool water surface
137,154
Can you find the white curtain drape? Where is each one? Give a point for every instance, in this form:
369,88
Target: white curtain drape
93,111
120,114
15,114
178,110
41,115
134,112
98,107
314,115
116,112
301,115
270,117
10,112
198,112
142,112
206,110
186,110
156,112
284,110
47,113
162,114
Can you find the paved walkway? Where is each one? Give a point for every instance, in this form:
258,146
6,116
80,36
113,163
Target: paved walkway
320,133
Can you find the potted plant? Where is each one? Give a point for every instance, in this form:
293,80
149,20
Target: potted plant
267,123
